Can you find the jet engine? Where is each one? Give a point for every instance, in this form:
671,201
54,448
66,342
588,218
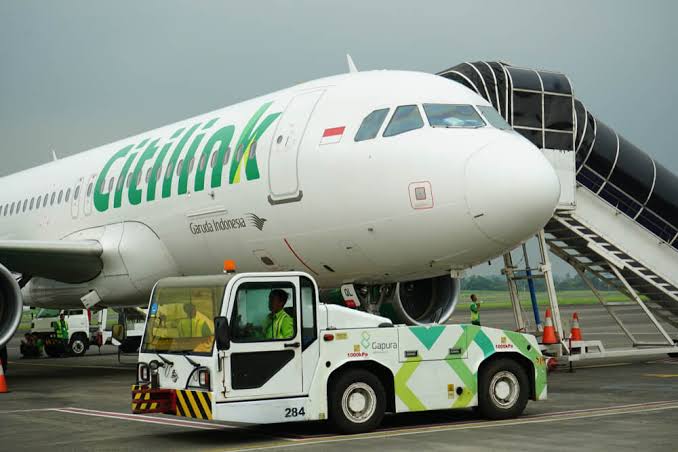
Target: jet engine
419,302
11,304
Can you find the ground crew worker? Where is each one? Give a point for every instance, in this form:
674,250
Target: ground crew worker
475,310
278,324
196,325
61,331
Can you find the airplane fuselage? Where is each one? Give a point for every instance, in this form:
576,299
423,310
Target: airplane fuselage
280,183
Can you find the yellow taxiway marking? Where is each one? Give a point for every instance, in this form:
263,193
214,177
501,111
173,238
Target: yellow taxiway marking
537,419
661,375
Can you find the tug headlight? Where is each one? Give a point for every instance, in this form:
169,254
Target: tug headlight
143,373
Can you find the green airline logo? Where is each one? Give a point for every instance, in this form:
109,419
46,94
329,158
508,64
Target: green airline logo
214,151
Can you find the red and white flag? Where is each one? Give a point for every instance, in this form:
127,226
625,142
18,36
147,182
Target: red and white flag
332,135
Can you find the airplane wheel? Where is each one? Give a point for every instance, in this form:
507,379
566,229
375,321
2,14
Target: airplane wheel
357,402
503,389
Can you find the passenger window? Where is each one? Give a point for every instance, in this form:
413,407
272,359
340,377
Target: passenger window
32,202
45,199
494,118
25,204
89,190
202,163
61,195
181,162
190,164
6,208
405,118
370,126
309,332
110,185
148,174
68,194
227,155
264,312
77,192
453,116
37,204
11,209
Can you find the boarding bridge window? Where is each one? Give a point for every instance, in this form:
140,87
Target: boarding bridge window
405,118
453,116
181,318
370,126
264,312
494,118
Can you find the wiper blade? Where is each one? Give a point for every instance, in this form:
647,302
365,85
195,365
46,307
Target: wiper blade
193,363
165,360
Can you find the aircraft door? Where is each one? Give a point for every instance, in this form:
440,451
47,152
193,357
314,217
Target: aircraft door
283,170
75,200
264,359
89,191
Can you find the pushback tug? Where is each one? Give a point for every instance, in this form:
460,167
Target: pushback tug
215,348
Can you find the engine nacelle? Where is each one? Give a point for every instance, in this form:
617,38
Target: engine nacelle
11,305
422,302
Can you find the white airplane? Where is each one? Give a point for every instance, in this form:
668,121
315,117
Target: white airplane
382,179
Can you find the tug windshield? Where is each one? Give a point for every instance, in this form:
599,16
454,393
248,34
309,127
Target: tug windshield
181,318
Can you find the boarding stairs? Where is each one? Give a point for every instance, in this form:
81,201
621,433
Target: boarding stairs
617,217
599,241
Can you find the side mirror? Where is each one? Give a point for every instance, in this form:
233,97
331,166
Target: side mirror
222,334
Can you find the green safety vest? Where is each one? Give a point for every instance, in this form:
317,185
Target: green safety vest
279,326
475,313
61,329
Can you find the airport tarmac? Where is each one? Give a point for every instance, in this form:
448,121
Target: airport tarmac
84,404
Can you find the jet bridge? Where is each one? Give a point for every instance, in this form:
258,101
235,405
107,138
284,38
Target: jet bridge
617,219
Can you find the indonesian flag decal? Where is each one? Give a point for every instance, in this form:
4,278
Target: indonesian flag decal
332,135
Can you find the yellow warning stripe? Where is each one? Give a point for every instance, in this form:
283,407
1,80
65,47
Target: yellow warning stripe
194,404
191,399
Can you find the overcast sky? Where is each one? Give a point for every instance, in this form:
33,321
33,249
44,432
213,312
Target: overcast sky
78,74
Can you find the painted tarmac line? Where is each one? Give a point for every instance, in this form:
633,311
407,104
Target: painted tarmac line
131,416
479,425
27,410
69,366
125,417
660,403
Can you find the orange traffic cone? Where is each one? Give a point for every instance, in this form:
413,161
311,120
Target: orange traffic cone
3,382
549,336
575,331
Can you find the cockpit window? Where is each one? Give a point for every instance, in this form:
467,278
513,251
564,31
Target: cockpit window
494,118
452,116
405,118
371,125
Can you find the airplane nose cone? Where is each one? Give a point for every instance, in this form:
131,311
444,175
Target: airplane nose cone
511,190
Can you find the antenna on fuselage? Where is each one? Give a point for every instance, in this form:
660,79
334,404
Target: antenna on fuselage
351,64
54,156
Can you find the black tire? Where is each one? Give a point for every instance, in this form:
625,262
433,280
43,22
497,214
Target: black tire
52,351
3,358
503,374
360,383
78,345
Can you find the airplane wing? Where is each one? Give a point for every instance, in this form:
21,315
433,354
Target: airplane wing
61,260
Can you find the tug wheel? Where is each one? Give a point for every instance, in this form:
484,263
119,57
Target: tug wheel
503,389
357,402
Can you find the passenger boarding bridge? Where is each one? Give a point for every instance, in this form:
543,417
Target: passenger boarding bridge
617,219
